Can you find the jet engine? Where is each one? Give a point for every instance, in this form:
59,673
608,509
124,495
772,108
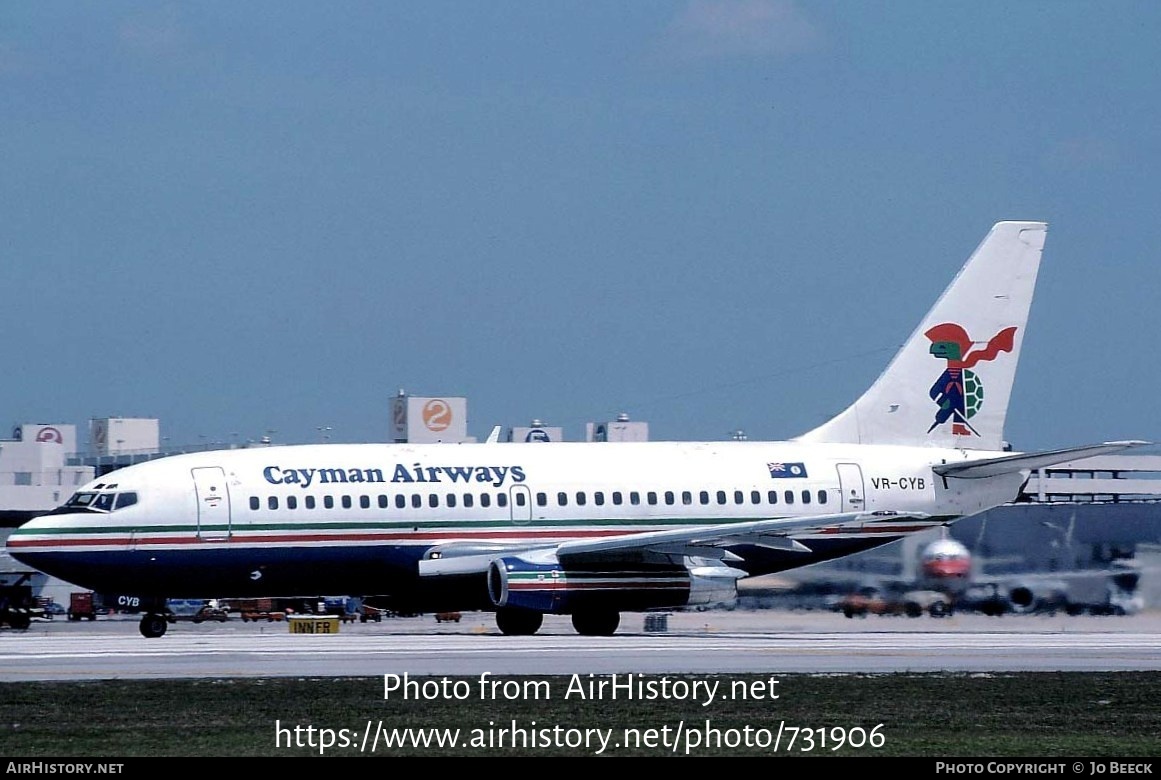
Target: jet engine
1037,596
547,587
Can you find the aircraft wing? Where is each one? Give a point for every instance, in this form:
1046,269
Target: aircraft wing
708,541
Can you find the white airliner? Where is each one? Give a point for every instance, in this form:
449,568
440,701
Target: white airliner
585,529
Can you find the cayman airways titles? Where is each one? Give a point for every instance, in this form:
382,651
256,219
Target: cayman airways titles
496,476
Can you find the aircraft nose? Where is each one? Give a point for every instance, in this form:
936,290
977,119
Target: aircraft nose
33,544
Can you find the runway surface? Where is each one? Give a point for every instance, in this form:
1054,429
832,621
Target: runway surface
725,642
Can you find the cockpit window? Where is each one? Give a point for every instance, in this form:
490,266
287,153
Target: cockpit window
89,501
81,499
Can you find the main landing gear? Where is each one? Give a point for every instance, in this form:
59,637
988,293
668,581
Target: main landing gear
513,621
153,625
596,623
518,622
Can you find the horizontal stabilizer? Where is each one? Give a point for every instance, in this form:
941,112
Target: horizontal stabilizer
1026,461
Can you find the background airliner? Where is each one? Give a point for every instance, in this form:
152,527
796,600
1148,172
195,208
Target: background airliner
946,577
948,566
586,529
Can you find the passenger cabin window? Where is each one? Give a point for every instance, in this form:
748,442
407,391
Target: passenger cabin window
501,499
806,496
520,499
580,498
309,501
703,496
432,500
364,502
599,498
272,502
789,496
329,502
634,497
469,500
617,497
772,496
686,497
739,498
451,499
292,502
400,501
542,499
562,499
485,499
721,496
346,502
383,501
254,502
670,499
416,501
651,498
822,496
755,497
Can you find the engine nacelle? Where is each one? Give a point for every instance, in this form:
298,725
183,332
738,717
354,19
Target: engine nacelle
1026,597
544,586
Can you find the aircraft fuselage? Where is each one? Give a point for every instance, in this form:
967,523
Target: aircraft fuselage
357,519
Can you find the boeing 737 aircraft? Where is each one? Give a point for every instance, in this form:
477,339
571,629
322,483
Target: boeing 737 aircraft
585,529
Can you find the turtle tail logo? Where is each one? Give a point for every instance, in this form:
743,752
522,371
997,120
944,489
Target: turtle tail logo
958,392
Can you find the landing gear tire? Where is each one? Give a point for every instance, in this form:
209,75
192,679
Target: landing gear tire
596,623
518,622
153,626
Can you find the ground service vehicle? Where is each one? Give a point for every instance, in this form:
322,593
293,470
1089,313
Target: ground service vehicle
81,605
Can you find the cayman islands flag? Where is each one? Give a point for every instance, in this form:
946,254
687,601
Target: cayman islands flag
786,470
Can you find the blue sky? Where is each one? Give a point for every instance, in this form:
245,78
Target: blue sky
711,215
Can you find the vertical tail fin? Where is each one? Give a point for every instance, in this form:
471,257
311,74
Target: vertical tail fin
950,383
